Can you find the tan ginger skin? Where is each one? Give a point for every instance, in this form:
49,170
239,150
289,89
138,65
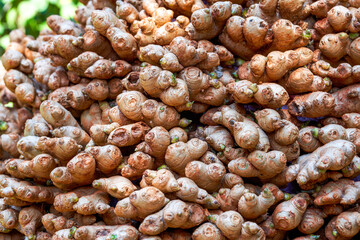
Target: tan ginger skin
47,73
97,89
218,137
141,203
39,167
93,41
155,142
155,25
92,116
26,146
29,220
255,34
185,53
163,84
346,100
210,157
90,64
162,179
14,77
63,149
13,59
229,180
275,65
256,163
286,133
229,198
292,10
78,134
79,171
159,56
128,135
178,134
251,206
77,97
303,80
60,49
26,221
312,221
189,191
36,126
343,191
135,106
179,154
9,143
107,157
56,115
307,141
23,194
115,31
344,74
345,225
201,28
190,215
72,197
338,49
229,222
183,119
288,215
310,168
269,95
207,231
97,202
116,186
309,105
100,132
92,232
333,120
333,132
291,151
53,223
205,176
352,120
270,231
247,134
136,164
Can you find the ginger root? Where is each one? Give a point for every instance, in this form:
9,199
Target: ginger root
288,215
116,186
97,202
343,191
205,176
251,206
79,171
107,157
176,214
141,203
207,23
39,167
179,154
135,106
312,105
270,95
257,163
311,168
162,179
345,225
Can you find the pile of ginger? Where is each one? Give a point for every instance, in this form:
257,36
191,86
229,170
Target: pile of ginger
184,119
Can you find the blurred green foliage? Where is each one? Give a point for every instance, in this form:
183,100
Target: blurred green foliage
30,16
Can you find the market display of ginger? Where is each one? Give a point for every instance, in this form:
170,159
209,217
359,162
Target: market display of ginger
174,119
